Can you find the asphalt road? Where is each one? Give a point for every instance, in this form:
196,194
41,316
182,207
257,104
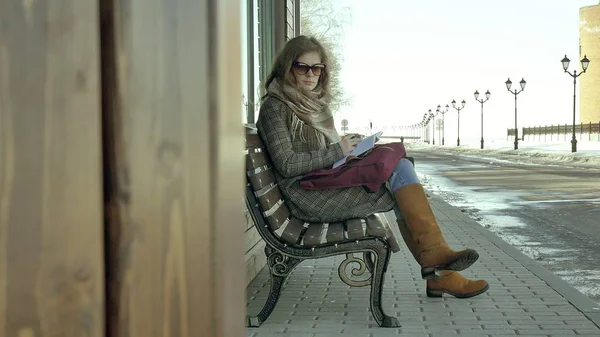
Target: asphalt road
550,213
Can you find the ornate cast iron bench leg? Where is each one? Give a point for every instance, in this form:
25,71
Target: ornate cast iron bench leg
280,267
368,257
382,259
356,272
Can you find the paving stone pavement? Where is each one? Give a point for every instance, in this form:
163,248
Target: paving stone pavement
524,299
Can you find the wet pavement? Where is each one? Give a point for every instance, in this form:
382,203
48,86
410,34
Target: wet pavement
550,213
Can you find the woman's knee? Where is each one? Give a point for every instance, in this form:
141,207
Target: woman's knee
405,168
405,164
403,174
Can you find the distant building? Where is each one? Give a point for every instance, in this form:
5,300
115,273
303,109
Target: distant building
589,37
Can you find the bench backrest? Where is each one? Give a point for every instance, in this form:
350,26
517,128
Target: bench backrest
264,196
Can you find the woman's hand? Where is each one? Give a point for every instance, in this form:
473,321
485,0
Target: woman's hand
349,143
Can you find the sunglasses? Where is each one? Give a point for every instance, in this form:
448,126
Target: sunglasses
303,68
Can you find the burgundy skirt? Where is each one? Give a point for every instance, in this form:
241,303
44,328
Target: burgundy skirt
371,169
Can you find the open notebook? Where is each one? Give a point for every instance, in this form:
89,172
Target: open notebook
365,145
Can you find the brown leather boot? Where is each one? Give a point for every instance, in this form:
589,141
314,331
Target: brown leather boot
407,236
430,248
449,282
455,284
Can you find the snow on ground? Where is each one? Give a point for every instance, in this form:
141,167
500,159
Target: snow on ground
496,209
555,153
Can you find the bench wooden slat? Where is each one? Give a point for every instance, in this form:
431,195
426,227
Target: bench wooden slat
374,226
253,141
256,159
293,230
335,232
355,229
278,217
270,199
313,234
262,179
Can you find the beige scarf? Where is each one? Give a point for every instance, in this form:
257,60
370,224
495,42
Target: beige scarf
312,119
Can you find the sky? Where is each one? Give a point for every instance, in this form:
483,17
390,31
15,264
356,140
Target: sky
402,58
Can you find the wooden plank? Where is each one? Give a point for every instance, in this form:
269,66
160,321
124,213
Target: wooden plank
335,232
278,217
374,226
262,179
293,230
255,261
253,141
255,160
270,198
313,234
355,230
251,238
249,222
51,229
175,249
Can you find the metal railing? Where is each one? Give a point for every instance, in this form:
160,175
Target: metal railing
407,133
548,133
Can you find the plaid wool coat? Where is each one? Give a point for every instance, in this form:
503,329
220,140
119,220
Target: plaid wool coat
293,158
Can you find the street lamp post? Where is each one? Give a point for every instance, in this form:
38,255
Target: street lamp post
432,115
424,125
487,96
584,65
429,116
443,112
515,92
458,109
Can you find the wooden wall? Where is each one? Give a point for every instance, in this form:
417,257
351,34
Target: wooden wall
174,167
120,151
51,247
255,258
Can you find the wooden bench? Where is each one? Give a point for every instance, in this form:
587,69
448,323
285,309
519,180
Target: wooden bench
290,241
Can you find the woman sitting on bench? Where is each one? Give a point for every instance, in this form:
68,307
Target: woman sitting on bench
297,127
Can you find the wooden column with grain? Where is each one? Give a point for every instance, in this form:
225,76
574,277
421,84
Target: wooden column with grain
173,167
51,237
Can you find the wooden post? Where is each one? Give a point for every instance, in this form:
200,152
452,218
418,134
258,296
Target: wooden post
175,168
160,124
51,229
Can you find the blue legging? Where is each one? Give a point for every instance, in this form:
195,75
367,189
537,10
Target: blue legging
403,174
